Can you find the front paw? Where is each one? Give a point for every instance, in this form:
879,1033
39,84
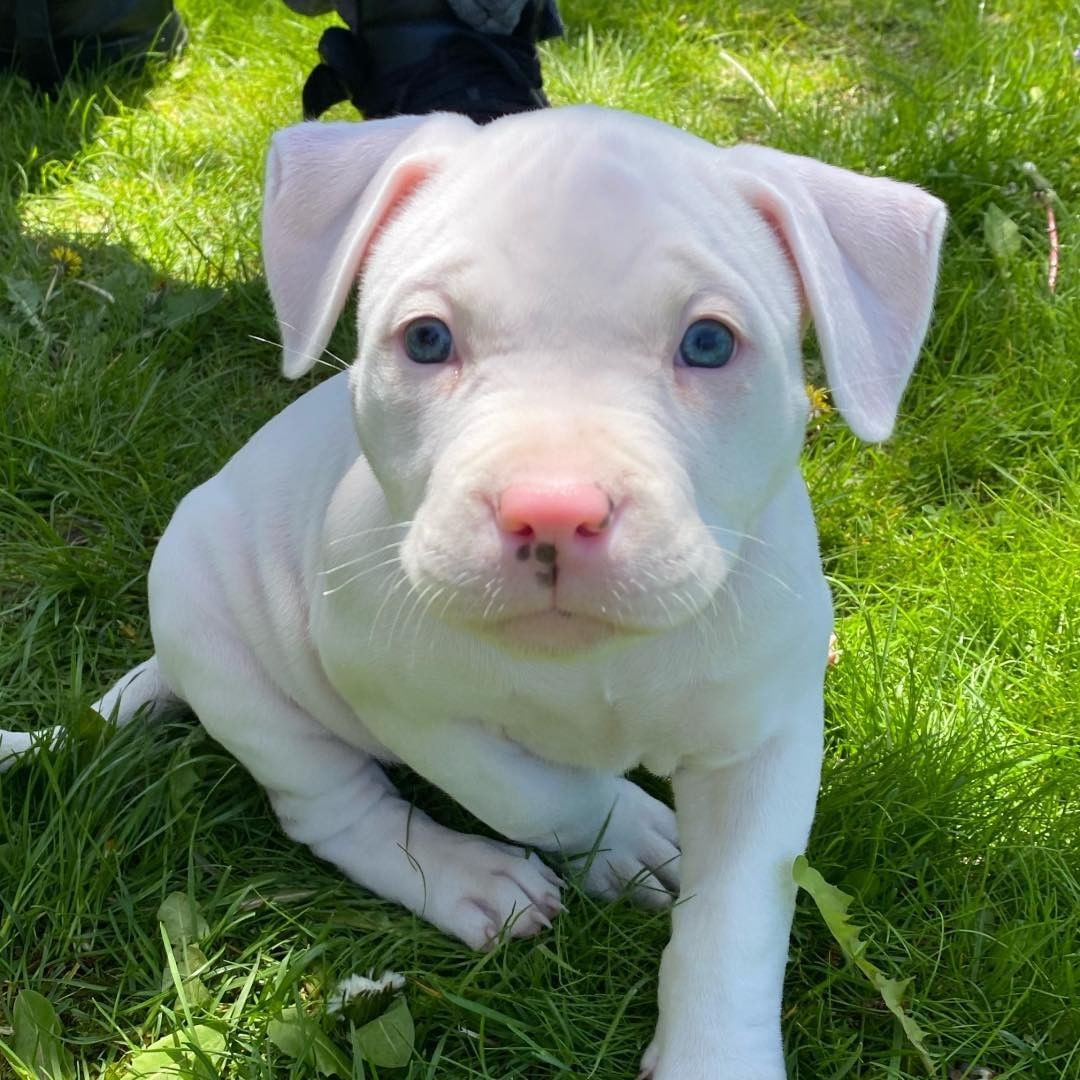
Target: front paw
693,1058
649,1060
639,844
484,887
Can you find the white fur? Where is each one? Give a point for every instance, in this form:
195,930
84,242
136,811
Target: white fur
339,594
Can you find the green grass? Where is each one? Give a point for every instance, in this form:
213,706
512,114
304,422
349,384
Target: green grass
952,784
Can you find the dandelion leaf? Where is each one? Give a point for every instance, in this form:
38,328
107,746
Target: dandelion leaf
388,1040
1002,234
182,918
180,1055
833,905
300,1038
36,1036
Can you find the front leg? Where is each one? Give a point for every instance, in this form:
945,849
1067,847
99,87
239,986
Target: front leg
721,979
546,805
335,797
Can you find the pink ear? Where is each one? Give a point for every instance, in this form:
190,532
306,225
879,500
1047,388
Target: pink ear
329,187
866,251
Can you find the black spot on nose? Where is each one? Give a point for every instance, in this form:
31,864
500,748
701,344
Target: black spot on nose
522,553
545,553
547,578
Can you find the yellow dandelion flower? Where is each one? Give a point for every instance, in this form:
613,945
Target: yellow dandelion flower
818,397
67,260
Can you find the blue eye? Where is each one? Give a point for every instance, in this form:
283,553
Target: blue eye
428,341
707,344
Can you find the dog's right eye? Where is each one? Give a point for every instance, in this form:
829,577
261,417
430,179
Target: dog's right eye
708,343
428,341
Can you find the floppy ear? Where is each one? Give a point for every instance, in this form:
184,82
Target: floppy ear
329,188
866,252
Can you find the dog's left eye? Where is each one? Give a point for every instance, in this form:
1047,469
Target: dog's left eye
707,344
428,341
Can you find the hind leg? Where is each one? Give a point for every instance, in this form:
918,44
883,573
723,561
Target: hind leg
141,686
337,800
13,744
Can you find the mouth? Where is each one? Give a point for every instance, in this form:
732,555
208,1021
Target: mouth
553,630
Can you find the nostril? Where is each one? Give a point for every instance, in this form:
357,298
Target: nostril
599,518
559,511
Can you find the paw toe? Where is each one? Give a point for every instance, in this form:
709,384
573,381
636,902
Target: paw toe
648,1062
503,890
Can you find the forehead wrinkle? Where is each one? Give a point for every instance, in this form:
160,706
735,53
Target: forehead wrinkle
571,243
563,193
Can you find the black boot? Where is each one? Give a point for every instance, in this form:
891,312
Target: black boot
43,40
417,56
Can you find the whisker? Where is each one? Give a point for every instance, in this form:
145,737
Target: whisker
752,566
449,600
367,532
733,598
776,581
361,574
713,605
344,363
652,577
690,609
361,558
418,600
410,595
420,622
389,589
494,597
618,592
740,535
339,366
667,610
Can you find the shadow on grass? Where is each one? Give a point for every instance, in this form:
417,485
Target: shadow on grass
46,136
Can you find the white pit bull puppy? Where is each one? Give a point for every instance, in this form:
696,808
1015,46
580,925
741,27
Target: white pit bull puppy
548,526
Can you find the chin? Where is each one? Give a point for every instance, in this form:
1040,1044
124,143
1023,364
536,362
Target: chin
554,632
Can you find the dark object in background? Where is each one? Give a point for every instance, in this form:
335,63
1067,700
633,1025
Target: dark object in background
43,40
417,56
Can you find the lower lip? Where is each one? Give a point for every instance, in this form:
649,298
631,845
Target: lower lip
552,630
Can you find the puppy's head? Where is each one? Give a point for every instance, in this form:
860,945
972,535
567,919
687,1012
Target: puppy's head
579,373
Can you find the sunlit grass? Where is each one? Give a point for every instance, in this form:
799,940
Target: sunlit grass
950,802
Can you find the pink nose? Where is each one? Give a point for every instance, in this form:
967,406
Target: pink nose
555,513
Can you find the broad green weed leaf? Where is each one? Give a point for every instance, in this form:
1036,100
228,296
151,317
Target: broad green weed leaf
892,993
37,1043
1002,234
183,779
388,1040
182,918
26,297
176,306
189,960
182,782
833,905
289,1034
330,1059
174,1056
88,723
300,1037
